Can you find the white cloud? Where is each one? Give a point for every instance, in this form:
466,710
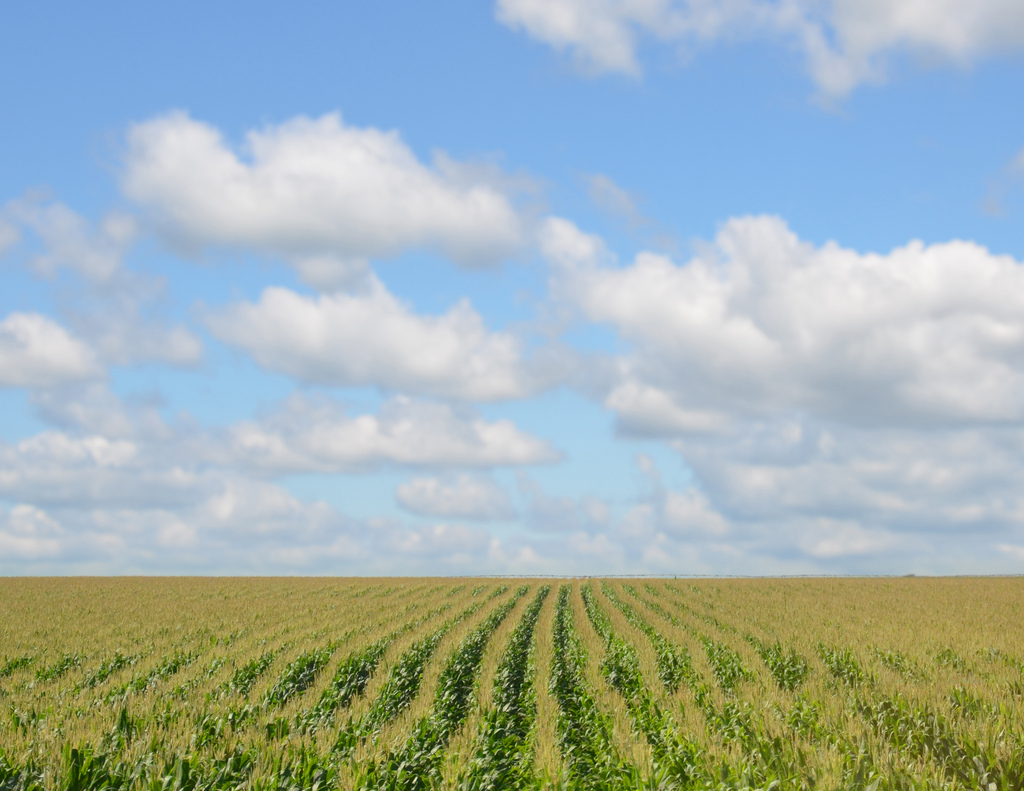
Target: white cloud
118,489
321,194
69,240
834,407
62,449
128,339
236,523
69,470
28,533
960,482
318,435
761,322
108,313
843,539
9,236
1013,551
259,508
119,321
371,338
599,34
1017,165
615,201
566,246
93,410
689,512
459,542
845,42
110,455
463,497
152,497
682,515
240,525
547,514
642,409
37,352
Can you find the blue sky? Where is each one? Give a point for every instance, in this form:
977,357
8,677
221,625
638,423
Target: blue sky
574,286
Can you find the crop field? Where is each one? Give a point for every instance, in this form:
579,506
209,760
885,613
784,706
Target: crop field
174,683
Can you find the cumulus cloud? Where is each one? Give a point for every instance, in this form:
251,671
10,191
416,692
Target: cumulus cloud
58,468
37,352
259,527
686,515
845,539
235,524
1013,551
832,405
962,482
615,201
28,533
321,194
699,531
70,242
845,42
462,544
113,486
127,338
317,435
109,307
119,321
9,235
547,514
92,409
838,409
600,35
128,492
104,453
762,322
462,497
372,338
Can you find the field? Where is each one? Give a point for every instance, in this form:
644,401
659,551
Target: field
169,683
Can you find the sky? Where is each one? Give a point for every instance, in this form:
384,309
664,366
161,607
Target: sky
512,287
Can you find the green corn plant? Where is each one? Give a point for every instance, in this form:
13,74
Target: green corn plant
502,758
25,777
298,676
842,665
9,667
924,732
349,681
899,662
65,663
245,677
167,668
415,766
726,664
965,703
400,687
674,662
677,760
584,731
353,674
106,669
787,667
947,657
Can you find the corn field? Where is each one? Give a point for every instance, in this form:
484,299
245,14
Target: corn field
171,683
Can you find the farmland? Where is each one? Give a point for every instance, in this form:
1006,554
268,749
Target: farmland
170,683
